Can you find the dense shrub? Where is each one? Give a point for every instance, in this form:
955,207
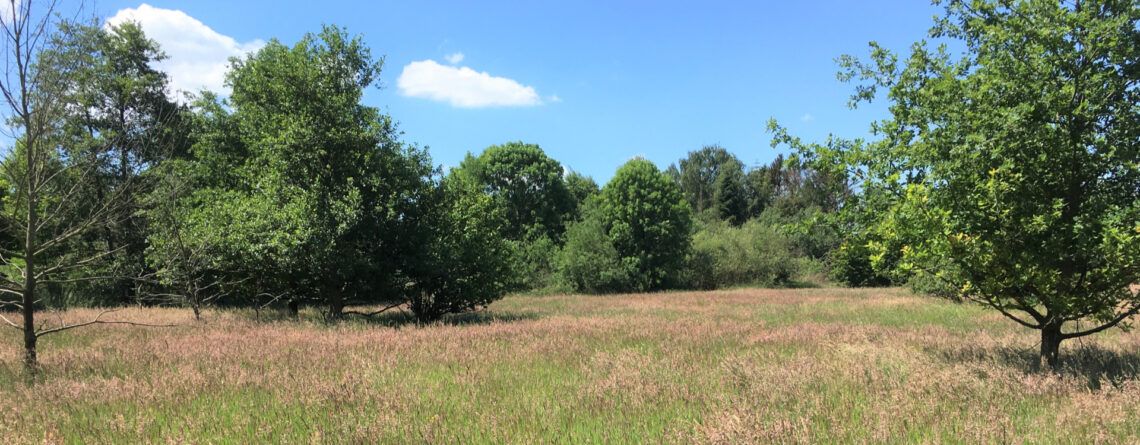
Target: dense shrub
465,263
753,254
589,262
851,265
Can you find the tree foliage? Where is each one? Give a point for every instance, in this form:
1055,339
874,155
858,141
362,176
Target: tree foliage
527,184
698,172
646,218
1011,171
302,190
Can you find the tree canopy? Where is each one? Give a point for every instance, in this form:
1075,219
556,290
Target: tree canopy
1010,171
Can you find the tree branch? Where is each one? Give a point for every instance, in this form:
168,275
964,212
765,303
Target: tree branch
97,320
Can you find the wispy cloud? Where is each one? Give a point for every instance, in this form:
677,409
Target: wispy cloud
454,58
463,87
198,55
807,118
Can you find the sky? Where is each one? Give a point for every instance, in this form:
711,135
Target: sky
594,83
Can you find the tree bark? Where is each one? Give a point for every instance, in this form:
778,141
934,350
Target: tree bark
1051,346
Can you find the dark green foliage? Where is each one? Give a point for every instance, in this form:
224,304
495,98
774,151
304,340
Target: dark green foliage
698,173
466,263
526,184
730,198
300,190
581,188
588,262
123,122
646,218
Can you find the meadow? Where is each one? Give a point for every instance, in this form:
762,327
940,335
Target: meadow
733,366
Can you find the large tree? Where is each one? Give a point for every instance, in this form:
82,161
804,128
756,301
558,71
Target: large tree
698,172
1011,170
302,191
645,216
55,197
122,119
527,184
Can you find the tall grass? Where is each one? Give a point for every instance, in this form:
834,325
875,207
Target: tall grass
783,366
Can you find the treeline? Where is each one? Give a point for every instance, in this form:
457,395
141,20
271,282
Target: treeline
290,192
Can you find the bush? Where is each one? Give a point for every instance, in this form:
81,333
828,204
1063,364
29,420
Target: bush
753,254
465,264
851,265
534,262
588,262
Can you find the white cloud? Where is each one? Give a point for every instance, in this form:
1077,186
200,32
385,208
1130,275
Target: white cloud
807,118
463,87
454,58
198,55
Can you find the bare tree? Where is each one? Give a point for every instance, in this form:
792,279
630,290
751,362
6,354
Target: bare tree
48,185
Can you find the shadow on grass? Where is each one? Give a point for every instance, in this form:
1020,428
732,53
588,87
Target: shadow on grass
394,318
404,318
1096,365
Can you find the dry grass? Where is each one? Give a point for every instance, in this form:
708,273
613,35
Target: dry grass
783,366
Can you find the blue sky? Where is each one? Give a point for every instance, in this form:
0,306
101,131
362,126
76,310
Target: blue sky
593,83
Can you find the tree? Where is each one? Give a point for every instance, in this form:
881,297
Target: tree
588,262
123,120
527,184
698,174
730,199
464,263
302,190
47,203
581,188
1012,169
648,221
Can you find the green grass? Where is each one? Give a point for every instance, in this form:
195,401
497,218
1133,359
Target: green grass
778,366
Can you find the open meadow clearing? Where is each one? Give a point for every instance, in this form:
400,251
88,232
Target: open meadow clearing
749,365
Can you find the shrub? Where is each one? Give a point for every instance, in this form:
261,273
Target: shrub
851,265
753,254
588,262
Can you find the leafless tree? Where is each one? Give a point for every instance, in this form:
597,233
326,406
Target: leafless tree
47,187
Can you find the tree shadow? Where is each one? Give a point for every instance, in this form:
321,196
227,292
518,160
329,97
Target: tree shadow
399,319
1094,364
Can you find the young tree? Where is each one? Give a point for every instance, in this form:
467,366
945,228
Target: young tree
1013,170
645,216
464,262
48,203
730,199
581,188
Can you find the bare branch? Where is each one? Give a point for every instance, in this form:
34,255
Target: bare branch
9,322
42,332
373,314
1115,321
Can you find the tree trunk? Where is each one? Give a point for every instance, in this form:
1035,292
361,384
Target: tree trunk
1051,346
30,247
336,305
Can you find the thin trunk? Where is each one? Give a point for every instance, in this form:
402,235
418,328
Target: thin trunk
1051,346
30,247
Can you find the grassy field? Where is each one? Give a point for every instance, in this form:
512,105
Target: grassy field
786,366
